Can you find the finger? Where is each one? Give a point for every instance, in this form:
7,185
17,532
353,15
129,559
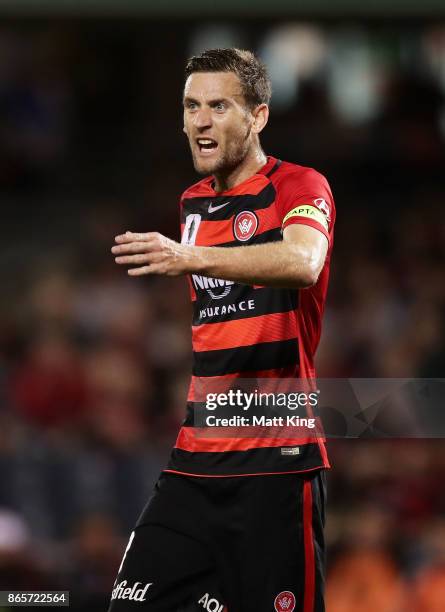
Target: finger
127,237
140,258
132,236
153,269
132,247
144,236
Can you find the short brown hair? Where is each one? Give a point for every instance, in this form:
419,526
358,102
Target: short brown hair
251,72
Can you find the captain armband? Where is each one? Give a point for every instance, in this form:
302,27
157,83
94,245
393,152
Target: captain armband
307,211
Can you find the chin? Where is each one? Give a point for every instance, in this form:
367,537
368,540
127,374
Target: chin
203,166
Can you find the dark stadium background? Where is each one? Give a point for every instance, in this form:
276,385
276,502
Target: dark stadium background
94,366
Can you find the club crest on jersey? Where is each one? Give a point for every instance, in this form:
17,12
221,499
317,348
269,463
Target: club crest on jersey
245,225
285,602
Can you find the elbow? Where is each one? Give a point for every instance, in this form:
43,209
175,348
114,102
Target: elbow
305,267
303,277
308,276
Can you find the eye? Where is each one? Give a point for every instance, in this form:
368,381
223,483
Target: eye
191,106
220,107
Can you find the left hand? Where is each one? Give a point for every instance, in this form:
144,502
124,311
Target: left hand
152,253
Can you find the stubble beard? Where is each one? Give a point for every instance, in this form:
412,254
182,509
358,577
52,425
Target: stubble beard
229,160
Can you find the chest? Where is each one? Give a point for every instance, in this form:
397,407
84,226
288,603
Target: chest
224,221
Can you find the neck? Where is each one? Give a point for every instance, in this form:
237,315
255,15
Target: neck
250,165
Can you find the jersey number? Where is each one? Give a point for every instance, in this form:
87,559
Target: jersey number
191,229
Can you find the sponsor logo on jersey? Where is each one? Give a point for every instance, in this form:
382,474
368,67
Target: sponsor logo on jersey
214,208
285,602
210,603
217,288
137,592
245,225
224,309
322,205
307,211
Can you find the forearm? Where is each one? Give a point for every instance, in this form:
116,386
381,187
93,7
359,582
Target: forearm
275,264
295,262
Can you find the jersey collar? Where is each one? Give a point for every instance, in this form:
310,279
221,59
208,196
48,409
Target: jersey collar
271,161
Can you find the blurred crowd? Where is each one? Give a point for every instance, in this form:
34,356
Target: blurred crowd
94,365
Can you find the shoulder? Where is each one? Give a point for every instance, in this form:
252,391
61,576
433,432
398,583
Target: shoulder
290,176
301,186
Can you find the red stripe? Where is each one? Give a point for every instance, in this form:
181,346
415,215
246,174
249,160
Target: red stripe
324,453
268,219
192,289
244,332
212,233
241,475
251,186
275,373
309,559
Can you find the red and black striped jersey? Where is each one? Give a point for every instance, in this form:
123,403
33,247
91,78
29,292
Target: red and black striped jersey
244,331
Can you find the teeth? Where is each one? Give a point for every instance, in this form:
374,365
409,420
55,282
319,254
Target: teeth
204,141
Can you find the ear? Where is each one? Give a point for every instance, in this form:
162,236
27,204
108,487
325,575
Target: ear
260,117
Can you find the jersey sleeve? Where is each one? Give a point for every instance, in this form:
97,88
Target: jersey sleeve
306,199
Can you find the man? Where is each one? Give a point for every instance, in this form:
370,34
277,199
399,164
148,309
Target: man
236,521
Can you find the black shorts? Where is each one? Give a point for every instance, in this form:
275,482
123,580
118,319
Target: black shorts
241,544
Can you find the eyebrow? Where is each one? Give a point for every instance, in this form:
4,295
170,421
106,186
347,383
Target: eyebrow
210,102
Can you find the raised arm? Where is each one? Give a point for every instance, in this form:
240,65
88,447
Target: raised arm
294,262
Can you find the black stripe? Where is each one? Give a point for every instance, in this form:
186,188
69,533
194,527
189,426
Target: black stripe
275,167
235,204
261,356
272,235
252,461
267,300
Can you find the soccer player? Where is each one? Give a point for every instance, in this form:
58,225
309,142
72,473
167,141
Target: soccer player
236,522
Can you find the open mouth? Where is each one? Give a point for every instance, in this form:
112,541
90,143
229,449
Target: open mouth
207,145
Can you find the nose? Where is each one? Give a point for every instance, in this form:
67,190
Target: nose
203,118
